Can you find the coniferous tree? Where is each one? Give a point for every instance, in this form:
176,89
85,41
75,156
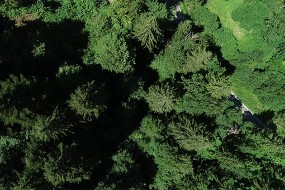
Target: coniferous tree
50,128
88,100
148,32
122,59
173,166
16,98
161,98
192,136
64,165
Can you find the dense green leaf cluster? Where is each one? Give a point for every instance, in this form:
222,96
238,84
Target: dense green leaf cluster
133,94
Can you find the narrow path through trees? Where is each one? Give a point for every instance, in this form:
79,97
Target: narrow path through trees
247,113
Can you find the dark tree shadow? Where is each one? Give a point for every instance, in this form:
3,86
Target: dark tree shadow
100,140
26,3
63,44
266,117
51,5
230,69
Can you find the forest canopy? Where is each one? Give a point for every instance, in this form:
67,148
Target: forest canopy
142,94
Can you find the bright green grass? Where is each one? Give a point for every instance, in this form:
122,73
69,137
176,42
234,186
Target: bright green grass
248,98
223,9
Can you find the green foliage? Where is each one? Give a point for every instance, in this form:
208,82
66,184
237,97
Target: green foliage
218,85
13,106
230,118
98,24
34,156
76,9
172,165
122,161
27,180
202,16
197,100
241,168
14,10
181,55
262,147
192,136
84,110
196,61
161,98
60,168
119,15
265,87
39,50
8,146
67,70
50,128
88,101
147,31
279,121
112,44
147,28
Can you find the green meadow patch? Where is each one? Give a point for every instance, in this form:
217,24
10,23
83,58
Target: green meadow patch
224,9
247,97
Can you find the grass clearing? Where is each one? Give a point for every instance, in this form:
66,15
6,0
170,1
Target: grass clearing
248,98
223,9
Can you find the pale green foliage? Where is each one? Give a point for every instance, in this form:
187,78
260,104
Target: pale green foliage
97,25
7,146
117,17
39,49
102,186
119,14
160,98
155,8
34,156
83,8
192,136
218,86
27,180
108,28
147,27
11,84
50,128
66,70
196,61
186,6
87,101
122,161
147,31
112,53
13,106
